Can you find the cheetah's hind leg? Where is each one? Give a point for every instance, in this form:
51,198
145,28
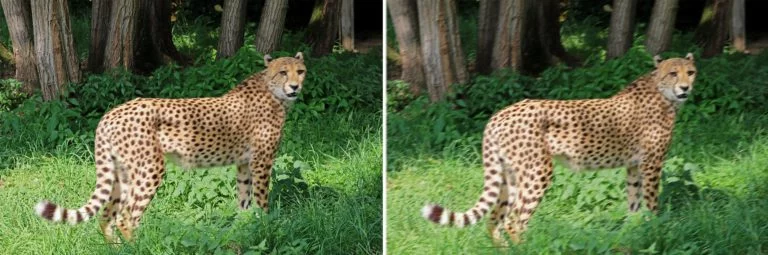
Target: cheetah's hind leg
144,188
109,216
498,213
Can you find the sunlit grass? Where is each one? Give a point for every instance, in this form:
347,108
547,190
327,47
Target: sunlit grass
728,213
340,211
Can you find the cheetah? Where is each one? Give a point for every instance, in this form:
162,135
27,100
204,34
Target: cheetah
242,127
631,129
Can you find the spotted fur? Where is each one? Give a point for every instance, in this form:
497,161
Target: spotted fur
631,129
242,127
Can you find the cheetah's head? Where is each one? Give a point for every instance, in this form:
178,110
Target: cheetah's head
285,76
675,77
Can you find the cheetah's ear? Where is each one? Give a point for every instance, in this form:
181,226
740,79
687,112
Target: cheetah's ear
267,59
656,60
299,56
689,56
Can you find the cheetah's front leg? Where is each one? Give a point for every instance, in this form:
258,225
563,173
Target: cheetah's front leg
651,175
633,188
261,170
244,188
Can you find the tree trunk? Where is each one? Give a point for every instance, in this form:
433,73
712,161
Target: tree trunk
232,25
156,46
443,58
535,47
621,28
271,25
738,29
121,38
549,26
100,25
487,22
56,58
508,49
714,26
133,34
662,24
403,13
528,37
19,19
323,26
348,24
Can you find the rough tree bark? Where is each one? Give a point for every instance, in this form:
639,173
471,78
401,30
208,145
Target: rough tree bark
508,49
403,13
662,24
527,37
323,26
56,58
549,32
121,35
621,28
713,30
738,29
133,34
536,57
156,46
271,25
486,32
100,26
19,19
232,28
443,58
348,24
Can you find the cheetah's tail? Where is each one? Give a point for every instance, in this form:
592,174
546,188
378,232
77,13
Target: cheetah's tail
105,176
489,197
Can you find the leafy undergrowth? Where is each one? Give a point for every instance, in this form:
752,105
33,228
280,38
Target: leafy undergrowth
195,212
716,206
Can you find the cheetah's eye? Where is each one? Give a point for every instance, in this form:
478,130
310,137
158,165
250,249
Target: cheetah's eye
300,72
691,73
284,73
673,74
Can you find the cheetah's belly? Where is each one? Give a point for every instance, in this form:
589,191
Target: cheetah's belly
202,152
578,157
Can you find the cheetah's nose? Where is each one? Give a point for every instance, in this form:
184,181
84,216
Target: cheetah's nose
294,87
684,88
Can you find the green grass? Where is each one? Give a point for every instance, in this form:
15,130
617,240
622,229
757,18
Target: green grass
720,209
339,211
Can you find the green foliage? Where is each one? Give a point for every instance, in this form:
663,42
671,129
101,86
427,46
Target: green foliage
195,212
713,205
726,85
288,184
337,84
5,35
10,94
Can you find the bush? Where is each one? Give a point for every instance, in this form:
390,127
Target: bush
10,94
726,85
338,83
